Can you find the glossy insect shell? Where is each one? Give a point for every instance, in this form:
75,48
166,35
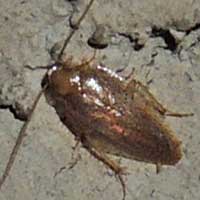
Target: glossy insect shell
113,116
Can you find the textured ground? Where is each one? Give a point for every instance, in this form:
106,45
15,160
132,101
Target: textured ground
161,41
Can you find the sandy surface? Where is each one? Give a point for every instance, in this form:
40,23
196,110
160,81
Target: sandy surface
160,40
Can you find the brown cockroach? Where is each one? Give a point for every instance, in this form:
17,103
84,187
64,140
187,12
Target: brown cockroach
106,113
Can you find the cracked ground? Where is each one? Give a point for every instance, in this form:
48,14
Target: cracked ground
160,41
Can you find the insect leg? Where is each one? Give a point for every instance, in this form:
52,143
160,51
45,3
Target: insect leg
166,112
174,114
158,168
151,101
119,171
162,110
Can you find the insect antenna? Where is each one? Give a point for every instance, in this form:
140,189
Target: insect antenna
76,26
22,132
19,140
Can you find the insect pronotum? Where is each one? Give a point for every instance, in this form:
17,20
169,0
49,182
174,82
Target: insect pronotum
106,113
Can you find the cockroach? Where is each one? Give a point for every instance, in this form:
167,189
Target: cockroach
106,113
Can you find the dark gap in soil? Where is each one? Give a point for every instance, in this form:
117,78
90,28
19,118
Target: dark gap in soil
167,37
